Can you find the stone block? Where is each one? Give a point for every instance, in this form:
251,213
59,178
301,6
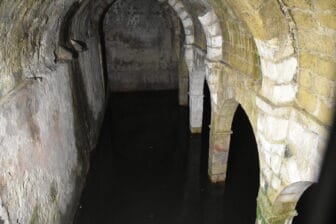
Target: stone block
256,3
281,72
267,156
276,183
316,64
216,41
218,165
317,42
293,171
288,198
267,173
302,140
304,19
274,128
187,22
196,130
306,120
172,2
178,7
276,163
307,100
325,113
7,83
216,178
190,39
208,18
270,109
188,53
274,49
214,53
323,86
325,4
272,148
214,29
302,4
188,31
327,20
305,78
183,14
283,93
275,25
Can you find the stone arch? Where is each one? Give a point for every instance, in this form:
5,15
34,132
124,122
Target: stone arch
213,32
194,58
276,41
188,27
212,66
283,207
185,18
220,135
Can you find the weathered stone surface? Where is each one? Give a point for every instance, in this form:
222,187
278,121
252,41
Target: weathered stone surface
47,125
323,43
3,214
38,151
304,19
139,47
280,72
275,58
278,94
318,65
303,4
327,19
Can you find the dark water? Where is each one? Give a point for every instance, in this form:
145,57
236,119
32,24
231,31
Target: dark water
148,169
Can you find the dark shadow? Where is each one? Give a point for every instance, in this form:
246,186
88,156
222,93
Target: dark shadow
318,203
205,134
242,182
137,173
304,205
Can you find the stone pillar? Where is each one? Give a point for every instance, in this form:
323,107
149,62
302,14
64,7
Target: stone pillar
183,90
196,85
218,154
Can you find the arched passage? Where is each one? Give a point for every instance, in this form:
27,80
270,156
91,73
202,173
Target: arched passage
242,178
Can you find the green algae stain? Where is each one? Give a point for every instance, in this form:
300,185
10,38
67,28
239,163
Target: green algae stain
34,218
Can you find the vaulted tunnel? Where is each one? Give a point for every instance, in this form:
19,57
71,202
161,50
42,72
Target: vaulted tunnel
63,64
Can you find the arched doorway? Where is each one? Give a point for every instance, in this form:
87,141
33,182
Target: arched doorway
242,179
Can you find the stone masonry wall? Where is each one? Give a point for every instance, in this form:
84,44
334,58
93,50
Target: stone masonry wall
51,105
276,58
140,46
292,111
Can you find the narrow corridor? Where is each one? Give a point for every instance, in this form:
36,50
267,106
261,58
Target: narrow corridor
149,169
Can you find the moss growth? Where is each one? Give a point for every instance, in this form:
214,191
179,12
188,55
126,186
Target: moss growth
35,217
260,216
